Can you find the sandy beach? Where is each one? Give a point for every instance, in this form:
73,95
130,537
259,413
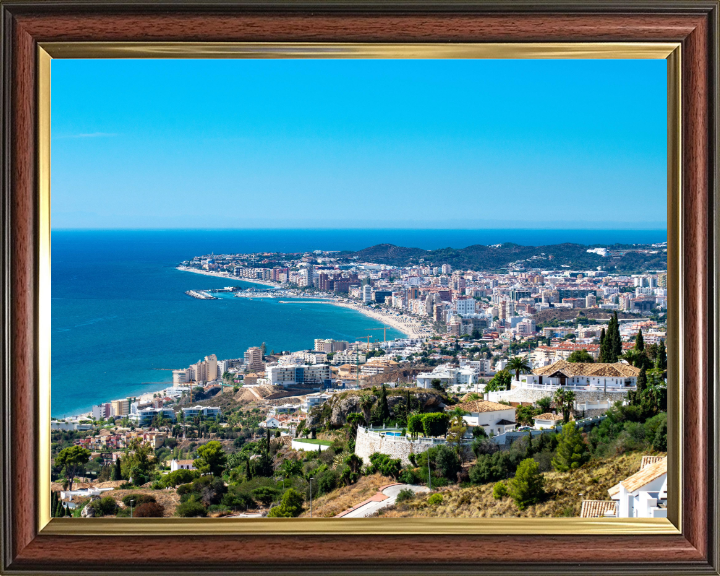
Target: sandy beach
408,325
226,276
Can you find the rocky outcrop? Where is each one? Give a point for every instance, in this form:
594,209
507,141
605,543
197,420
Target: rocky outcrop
88,511
343,404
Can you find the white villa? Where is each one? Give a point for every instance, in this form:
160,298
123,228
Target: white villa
182,465
580,376
547,420
493,417
465,377
642,495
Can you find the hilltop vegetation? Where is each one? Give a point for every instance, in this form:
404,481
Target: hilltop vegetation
497,257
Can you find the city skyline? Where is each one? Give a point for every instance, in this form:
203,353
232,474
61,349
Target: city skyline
359,144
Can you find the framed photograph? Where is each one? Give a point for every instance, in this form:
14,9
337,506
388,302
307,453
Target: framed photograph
359,288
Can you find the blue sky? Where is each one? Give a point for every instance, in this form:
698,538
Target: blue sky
358,143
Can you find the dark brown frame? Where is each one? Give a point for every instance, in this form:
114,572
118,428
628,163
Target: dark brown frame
692,23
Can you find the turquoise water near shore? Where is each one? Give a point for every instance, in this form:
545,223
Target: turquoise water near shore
121,319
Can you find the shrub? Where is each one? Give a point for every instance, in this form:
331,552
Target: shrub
181,476
659,443
104,506
447,461
415,424
265,494
137,499
191,509
500,490
327,482
527,487
385,465
482,445
405,494
290,506
149,510
237,500
490,468
435,499
435,423
408,476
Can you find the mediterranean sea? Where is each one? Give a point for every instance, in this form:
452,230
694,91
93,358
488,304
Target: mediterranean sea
121,319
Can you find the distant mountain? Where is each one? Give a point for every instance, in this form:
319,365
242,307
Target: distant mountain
620,258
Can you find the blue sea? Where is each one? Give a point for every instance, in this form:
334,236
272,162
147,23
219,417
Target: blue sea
121,320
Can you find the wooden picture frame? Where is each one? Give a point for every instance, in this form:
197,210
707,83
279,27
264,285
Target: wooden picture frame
33,31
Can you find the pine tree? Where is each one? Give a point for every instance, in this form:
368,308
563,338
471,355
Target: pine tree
572,452
639,342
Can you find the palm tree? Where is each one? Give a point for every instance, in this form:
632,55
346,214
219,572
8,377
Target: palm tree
564,400
518,364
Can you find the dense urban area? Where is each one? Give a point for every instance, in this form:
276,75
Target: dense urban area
531,382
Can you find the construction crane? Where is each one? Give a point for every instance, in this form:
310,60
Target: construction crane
357,359
384,329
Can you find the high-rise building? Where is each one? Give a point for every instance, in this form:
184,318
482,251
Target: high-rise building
590,301
120,407
211,371
367,293
253,359
446,269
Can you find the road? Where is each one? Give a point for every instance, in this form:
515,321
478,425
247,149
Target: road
382,499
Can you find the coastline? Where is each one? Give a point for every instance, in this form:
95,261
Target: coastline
409,326
226,276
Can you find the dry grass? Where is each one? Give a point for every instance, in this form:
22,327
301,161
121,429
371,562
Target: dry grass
167,498
341,499
563,494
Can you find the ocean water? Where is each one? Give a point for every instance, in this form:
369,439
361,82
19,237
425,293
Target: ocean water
121,319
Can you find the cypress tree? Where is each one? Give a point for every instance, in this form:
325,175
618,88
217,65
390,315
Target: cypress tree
530,451
641,382
616,340
605,345
116,473
639,342
384,411
661,360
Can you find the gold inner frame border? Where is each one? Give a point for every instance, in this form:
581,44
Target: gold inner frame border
669,51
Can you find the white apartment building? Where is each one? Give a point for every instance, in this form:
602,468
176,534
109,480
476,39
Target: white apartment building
308,375
312,400
253,359
203,411
329,345
464,306
367,293
449,376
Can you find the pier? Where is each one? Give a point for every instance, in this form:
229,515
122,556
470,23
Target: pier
201,295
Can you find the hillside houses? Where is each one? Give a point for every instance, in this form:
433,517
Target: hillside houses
579,375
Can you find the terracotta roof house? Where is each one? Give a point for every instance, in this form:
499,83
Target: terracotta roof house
493,417
547,420
644,494
582,376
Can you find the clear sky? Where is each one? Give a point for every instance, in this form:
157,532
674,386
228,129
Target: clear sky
358,143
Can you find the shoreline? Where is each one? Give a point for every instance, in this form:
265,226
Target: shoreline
411,328
226,276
